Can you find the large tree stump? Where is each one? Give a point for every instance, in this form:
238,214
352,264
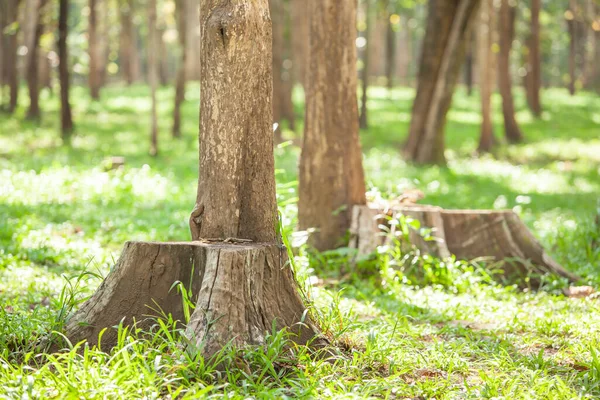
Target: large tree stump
468,234
240,290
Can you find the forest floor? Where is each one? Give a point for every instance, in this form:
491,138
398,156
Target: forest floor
451,332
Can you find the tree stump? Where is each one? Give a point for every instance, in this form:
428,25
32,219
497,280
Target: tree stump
240,291
468,234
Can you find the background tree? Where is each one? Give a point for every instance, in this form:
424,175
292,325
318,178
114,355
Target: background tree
33,74
366,61
63,32
444,47
153,74
181,15
300,39
534,58
331,173
127,45
94,78
507,17
486,64
10,59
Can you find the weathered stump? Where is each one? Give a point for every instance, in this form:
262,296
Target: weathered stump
240,291
468,234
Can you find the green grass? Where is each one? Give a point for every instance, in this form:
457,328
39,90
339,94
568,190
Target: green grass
455,334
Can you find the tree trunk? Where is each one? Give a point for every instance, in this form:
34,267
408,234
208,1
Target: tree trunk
535,60
300,40
127,46
241,289
390,51
10,54
163,58
404,52
153,74
571,24
469,63
193,40
331,172
499,236
63,68
181,10
33,74
443,52
507,31
3,23
365,73
486,74
282,94
591,67
94,51
103,38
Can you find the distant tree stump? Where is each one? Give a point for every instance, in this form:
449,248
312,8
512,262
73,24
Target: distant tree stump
468,234
240,290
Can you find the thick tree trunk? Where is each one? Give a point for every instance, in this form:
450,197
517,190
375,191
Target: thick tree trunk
365,73
486,74
94,51
181,12
241,289
331,172
282,94
127,46
10,54
33,74
300,40
499,236
507,31
534,70
63,68
153,74
444,47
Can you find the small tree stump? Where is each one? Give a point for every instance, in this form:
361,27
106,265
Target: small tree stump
468,234
240,290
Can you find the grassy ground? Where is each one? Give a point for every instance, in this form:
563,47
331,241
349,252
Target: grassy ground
455,334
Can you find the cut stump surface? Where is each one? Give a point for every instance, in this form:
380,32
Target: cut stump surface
240,291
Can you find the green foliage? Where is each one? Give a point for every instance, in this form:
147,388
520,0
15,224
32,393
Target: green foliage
403,326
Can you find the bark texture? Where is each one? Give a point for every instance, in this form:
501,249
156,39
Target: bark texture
331,172
499,236
181,12
448,26
94,77
63,68
153,74
486,71
507,32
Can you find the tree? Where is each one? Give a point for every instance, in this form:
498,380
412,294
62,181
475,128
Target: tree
33,75
470,63
446,38
63,66
243,286
300,25
10,51
365,73
94,77
127,45
181,10
486,74
507,32
534,58
283,108
331,172
390,46
153,73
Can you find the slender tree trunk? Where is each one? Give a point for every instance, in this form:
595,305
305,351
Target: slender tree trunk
591,66
390,51
33,74
127,46
282,94
153,74
103,38
404,52
571,24
30,23
486,74
94,51
63,67
181,10
300,41
331,172
365,73
535,60
193,40
163,65
469,63
444,47
507,31
10,57
3,23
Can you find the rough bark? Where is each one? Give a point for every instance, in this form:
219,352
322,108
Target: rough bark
486,74
444,47
498,236
507,31
534,70
366,71
94,51
63,68
282,94
10,54
181,12
300,40
153,74
331,172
